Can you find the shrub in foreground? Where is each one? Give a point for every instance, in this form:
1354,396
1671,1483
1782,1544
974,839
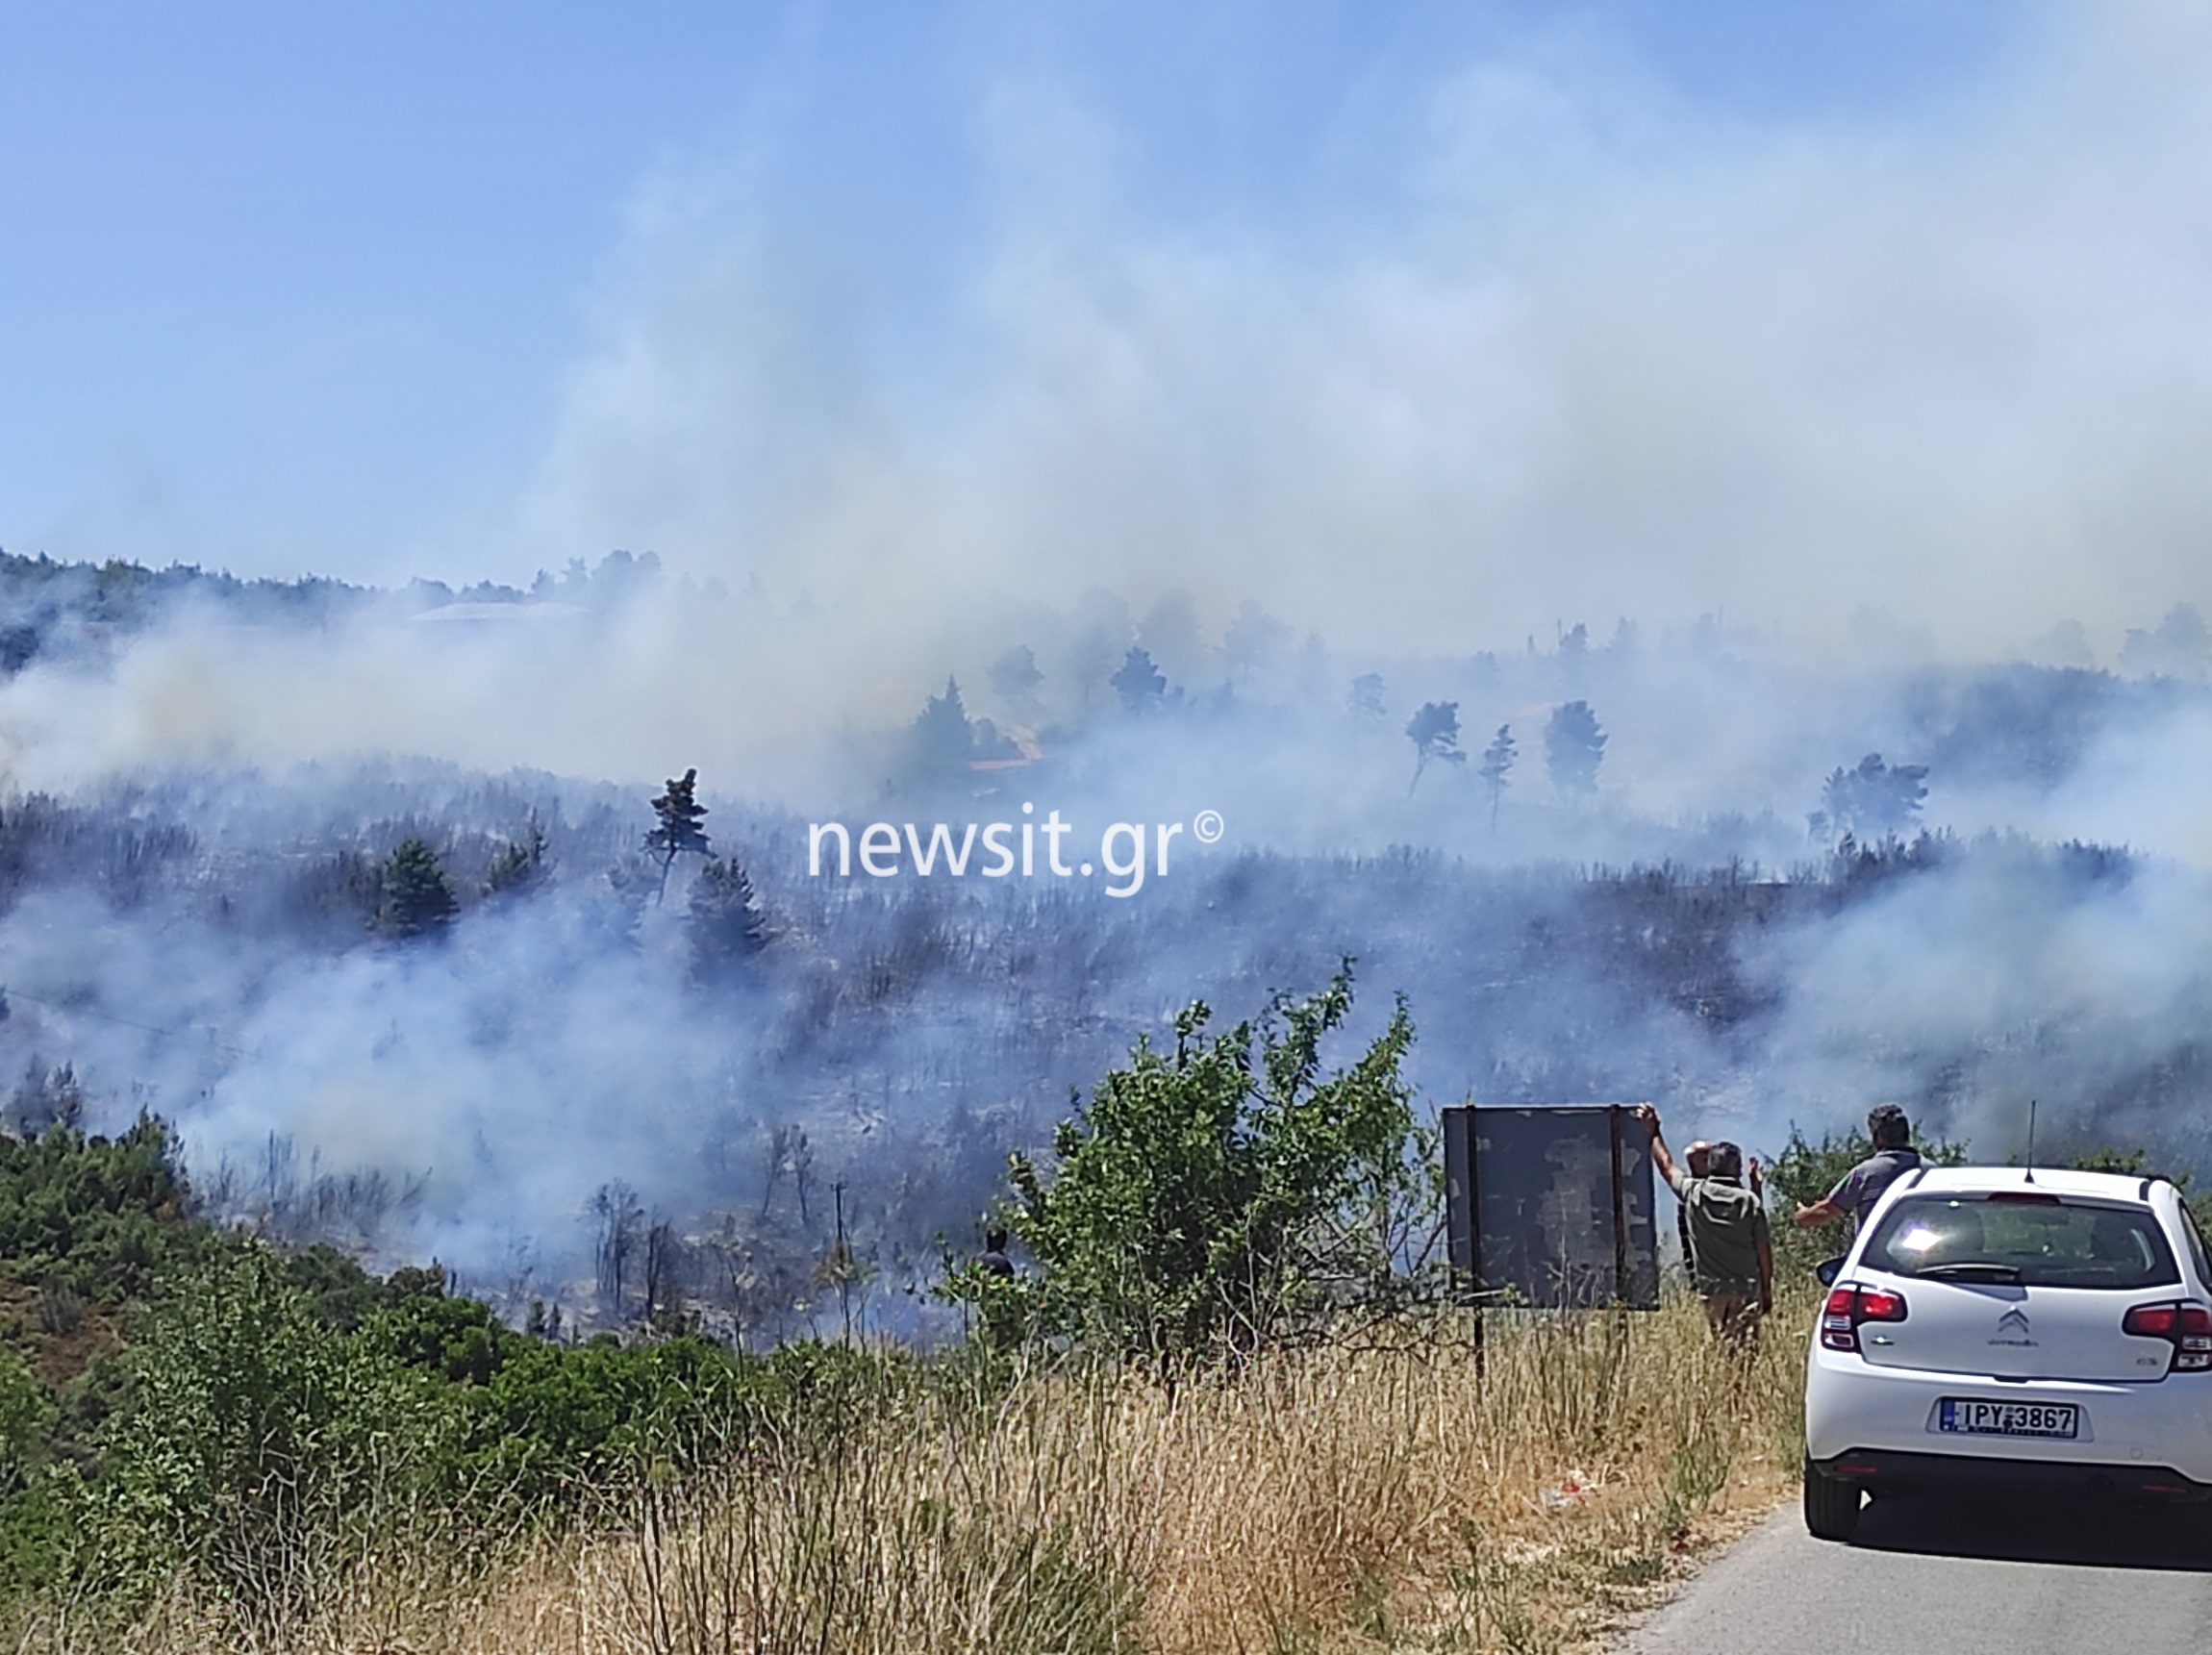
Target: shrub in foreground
1219,1197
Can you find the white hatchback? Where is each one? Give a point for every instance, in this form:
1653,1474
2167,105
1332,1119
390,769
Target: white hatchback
1993,1328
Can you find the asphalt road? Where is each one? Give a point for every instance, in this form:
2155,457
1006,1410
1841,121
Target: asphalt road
1941,1575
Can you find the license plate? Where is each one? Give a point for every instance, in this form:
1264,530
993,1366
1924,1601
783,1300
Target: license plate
2009,1419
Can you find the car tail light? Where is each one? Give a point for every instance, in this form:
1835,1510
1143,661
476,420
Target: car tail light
2187,1326
1851,1304
1879,1304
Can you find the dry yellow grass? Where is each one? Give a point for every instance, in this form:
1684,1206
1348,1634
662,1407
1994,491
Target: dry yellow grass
1347,1498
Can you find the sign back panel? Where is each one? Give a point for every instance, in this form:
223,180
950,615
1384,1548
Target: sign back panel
1552,1206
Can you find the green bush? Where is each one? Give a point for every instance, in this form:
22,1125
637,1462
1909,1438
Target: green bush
26,1413
2137,1162
95,1217
277,1418
1218,1197
251,1437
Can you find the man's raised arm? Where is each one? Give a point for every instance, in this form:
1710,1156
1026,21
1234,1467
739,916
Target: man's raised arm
1659,1157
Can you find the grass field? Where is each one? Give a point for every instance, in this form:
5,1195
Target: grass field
1387,1496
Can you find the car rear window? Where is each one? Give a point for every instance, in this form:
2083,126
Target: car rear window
2047,1240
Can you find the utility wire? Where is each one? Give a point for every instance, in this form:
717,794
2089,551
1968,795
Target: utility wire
8,993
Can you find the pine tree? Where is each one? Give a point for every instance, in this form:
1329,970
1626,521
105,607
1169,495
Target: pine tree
1141,685
943,739
45,1098
1498,764
1434,731
1574,747
520,867
679,813
1871,801
725,926
417,897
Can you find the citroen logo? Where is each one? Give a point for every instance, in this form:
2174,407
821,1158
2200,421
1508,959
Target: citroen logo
2012,1329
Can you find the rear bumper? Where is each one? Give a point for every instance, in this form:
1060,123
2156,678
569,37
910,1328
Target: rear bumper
1882,1470
2142,1429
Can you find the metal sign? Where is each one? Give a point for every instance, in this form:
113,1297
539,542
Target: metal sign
1552,1206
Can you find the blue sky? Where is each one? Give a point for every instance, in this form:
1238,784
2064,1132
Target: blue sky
467,291
293,287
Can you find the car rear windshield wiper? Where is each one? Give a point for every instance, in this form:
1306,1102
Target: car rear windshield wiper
1971,1270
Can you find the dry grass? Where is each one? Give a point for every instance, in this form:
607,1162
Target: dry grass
1341,1499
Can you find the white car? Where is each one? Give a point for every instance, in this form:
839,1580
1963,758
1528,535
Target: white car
2045,1332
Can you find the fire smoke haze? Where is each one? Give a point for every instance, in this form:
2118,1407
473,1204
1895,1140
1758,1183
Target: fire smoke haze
1586,348
1858,363
1428,335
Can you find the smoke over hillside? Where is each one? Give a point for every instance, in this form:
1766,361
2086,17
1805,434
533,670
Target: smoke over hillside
584,1074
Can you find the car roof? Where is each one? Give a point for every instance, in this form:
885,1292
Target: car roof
2050,1180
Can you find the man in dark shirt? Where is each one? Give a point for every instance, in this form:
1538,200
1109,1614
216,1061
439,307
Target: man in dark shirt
1731,1254
1858,1190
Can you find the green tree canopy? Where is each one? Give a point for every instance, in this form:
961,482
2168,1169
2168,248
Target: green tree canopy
1215,1198
725,927
418,898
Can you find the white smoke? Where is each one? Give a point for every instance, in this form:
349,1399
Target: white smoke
1593,351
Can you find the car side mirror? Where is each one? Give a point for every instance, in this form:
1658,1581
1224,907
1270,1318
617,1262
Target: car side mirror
1828,1270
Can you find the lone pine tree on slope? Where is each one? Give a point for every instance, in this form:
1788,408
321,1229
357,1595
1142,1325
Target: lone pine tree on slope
679,815
1497,766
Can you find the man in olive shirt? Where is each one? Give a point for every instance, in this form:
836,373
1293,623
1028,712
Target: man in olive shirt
1698,1158
1731,1254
